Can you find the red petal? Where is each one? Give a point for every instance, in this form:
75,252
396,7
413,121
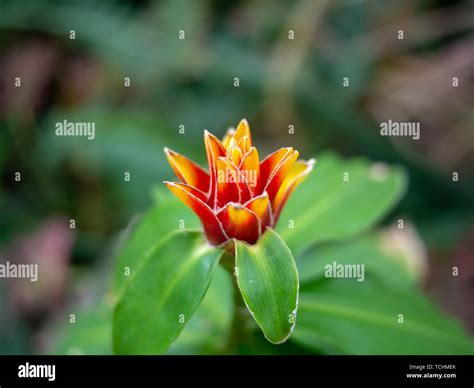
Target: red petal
279,175
212,226
274,169
269,164
227,182
240,223
214,150
296,175
188,171
261,207
244,191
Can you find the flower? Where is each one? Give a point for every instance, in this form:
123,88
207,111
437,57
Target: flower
240,196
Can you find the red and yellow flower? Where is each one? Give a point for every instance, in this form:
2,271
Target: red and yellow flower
240,196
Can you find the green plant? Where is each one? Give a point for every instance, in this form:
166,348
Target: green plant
176,293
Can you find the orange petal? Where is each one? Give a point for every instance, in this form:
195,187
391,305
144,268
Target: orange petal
214,150
212,226
227,137
188,171
271,162
191,190
279,174
270,165
250,168
240,223
295,176
234,153
261,207
242,130
227,182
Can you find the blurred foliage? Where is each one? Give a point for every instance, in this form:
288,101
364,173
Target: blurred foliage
190,82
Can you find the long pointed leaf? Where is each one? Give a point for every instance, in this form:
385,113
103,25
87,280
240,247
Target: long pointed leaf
268,280
162,297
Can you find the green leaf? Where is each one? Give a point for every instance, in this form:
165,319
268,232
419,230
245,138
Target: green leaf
268,280
365,250
208,330
155,224
164,294
326,207
347,317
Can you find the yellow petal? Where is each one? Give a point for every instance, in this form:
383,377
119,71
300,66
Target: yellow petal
227,137
244,144
261,207
242,130
234,153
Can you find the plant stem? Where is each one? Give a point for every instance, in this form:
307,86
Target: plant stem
238,330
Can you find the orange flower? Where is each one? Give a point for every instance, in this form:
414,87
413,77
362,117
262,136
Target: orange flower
239,196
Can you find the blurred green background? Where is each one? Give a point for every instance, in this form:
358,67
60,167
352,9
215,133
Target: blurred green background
190,82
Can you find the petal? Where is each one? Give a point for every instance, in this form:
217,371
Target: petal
240,223
296,175
270,163
242,130
212,226
188,171
244,144
191,190
273,170
227,137
214,150
250,168
227,182
261,207
234,153
231,171
279,175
